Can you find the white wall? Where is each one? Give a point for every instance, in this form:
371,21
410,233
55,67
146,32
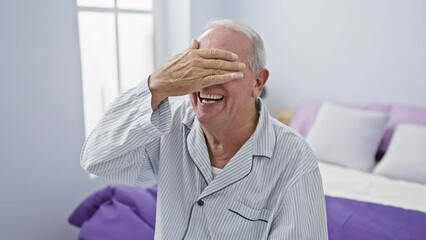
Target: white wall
41,122
203,11
172,23
355,51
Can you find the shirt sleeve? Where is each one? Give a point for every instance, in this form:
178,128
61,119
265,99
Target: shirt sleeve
303,214
124,146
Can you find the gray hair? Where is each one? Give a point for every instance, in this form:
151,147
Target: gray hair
257,57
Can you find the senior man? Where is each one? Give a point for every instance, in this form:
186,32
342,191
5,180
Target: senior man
225,168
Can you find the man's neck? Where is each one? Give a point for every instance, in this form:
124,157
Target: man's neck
224,142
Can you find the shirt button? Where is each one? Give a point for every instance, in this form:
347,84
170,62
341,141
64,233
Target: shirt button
200,203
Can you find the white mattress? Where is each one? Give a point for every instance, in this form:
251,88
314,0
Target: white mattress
352,184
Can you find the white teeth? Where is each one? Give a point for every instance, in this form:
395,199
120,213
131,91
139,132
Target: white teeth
207,101
210,96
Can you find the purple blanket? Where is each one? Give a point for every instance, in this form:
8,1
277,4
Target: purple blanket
349,219
117,212
122,212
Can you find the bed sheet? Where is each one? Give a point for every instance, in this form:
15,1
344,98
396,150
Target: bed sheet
352,184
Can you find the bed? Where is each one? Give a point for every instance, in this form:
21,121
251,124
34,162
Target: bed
364,206
373,165
374,177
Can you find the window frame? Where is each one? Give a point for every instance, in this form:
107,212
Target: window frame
115,10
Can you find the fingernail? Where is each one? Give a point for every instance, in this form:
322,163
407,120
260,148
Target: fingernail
234,56
237,75
241,65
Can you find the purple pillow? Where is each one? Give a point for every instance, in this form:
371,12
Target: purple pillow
306,113
304,117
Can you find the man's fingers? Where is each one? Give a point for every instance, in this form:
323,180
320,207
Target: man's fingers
219,79
224,65
213,53
214,72
194,44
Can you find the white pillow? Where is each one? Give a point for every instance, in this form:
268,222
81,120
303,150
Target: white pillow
347,137
405,158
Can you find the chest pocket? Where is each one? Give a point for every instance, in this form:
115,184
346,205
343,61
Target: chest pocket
244,222
248,213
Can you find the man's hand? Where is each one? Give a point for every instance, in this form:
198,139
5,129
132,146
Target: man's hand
193,70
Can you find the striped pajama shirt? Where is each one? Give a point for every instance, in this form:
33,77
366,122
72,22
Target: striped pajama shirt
270,189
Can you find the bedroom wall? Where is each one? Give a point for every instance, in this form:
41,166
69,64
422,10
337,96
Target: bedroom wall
41,130
203,11
172,23
344,51
180,21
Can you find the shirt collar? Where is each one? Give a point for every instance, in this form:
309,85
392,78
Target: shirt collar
189,115
264,135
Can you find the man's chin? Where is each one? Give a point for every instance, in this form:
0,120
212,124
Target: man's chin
207,119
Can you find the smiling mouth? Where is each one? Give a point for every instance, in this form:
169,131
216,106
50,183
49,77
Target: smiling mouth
210,98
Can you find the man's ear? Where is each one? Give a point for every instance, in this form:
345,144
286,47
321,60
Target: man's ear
261,79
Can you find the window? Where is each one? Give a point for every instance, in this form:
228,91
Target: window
117,50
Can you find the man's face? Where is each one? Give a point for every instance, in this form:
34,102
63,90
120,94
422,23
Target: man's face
232,101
